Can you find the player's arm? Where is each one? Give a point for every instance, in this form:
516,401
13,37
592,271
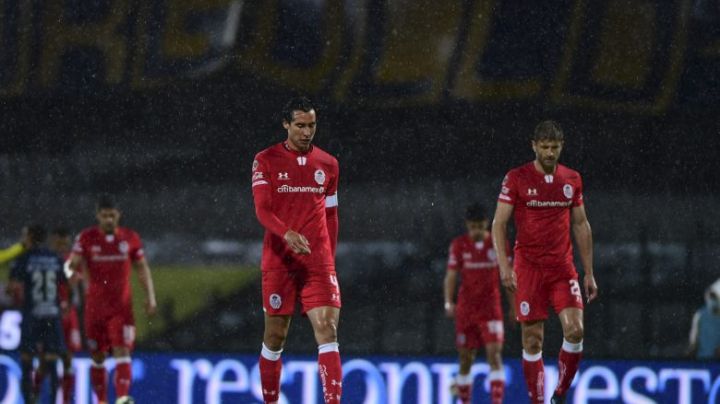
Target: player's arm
145,277
449,285
10,253
503,213
693,343
583,238
262,196
73,267
331,212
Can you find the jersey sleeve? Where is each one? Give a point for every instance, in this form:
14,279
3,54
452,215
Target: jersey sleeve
137,252
10,253
262,197
578,194
454,257
508,190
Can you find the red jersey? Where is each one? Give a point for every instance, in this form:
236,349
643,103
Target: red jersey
478,267
108,258
542,205
294,191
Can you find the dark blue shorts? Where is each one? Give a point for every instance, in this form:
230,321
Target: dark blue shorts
41,335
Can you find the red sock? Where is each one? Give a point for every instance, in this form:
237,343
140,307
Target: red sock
568,363
534,370
98,380
68,385
330,372
497,386
123,377
464,388
270,371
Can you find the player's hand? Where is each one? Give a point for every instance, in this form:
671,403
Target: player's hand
150,307
591,288
450,310
297,242
508,278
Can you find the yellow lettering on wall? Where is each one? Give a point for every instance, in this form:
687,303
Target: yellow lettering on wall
627,44
468,85
178,42
104,35
420,38
257,57
24,31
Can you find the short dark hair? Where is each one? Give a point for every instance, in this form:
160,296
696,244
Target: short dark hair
60,231
296,104
37,233
475,213
105,202
548,130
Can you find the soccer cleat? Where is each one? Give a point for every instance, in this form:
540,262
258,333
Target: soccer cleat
557,399
125,400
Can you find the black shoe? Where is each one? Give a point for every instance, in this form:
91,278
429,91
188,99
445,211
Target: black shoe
557,399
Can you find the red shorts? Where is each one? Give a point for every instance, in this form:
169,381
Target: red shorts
539,288
105,332
474,334
71,331
282,290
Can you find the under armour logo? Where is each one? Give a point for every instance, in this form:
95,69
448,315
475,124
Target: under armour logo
283,176
302,160
532,192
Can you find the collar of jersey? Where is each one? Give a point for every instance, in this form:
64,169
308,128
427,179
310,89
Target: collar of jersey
298,153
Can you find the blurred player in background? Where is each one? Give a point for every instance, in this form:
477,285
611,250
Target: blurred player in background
705,330
107,252
478,312
295,191
70,296
34,281
547,201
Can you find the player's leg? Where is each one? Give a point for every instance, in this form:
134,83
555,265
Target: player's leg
26,383
279,291
324,322
122,339
73,340
98,376
571,352
493,337
48,362
567,302
320,298
99,345
532,362
270,362
464,380
68,382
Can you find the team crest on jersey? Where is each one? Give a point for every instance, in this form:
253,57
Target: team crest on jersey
524,308
320,177
255,165
124,247
492,255
275,301
568,191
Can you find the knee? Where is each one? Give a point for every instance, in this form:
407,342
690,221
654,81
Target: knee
494,358
275,340
533,343
575,332
326,331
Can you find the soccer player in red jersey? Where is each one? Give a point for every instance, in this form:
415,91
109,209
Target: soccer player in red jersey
294,187
478,312
61,243
107,252
547,200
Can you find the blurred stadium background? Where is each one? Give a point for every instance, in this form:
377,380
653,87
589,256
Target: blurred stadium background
426,104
